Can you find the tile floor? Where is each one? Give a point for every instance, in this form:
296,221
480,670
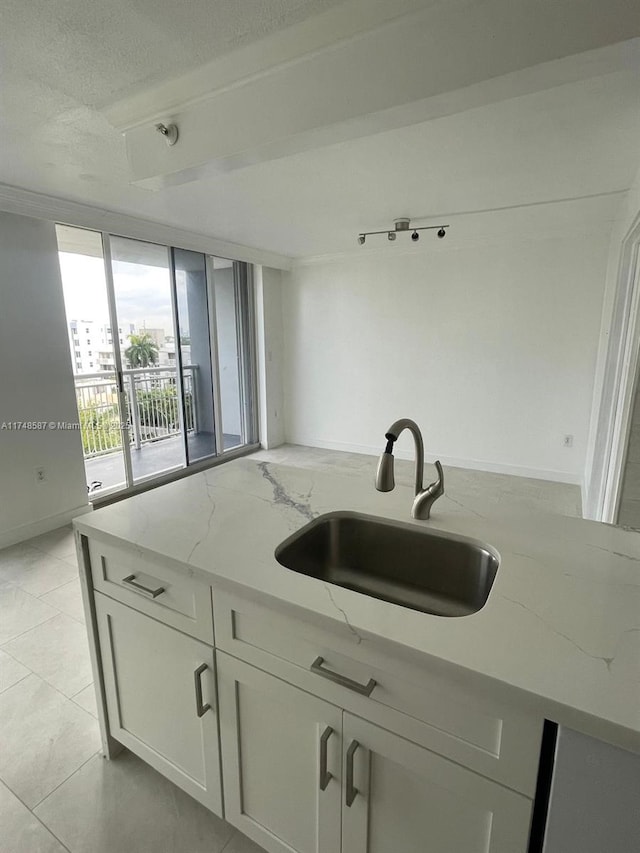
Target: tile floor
56,791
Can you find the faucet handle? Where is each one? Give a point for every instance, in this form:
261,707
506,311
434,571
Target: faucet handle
438,485
424,500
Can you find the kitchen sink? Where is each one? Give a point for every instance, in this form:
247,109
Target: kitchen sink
416,567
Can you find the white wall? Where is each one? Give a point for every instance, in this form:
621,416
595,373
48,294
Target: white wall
491,348
35,385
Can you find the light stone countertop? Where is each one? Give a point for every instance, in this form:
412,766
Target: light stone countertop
560,631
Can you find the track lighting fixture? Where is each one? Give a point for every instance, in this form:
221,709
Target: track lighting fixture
402,224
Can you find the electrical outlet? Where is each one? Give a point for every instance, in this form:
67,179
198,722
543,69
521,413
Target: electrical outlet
41,475
568,441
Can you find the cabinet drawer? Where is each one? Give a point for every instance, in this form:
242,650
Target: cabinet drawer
419,703
168,595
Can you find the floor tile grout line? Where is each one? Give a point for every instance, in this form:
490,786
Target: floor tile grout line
48,619
22,678
14,582
48,683
31,812
51,832
53,687
231,837
70,559
82,689
59,785
51,553
66,583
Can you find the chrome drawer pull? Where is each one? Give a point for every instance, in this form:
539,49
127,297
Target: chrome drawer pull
201,709
351,790
130,580
325,775
363,689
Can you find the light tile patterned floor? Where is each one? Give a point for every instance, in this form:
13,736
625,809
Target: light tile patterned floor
57,793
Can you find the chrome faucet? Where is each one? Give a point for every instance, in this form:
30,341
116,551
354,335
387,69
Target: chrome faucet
385,481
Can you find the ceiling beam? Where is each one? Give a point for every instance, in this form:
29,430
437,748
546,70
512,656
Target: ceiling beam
433,62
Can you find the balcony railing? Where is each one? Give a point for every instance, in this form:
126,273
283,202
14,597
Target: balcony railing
153,407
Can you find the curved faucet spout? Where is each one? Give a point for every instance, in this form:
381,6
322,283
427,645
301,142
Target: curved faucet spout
393,434
385,480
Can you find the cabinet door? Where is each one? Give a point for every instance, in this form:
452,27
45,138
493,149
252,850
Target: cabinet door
399,796
281,760
158,683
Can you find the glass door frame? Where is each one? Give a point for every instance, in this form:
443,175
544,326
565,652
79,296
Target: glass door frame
215,360
179,372
123,402
247,349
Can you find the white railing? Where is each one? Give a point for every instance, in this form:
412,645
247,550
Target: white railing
153,407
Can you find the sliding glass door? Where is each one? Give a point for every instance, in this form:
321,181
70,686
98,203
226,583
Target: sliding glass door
93,359
164,374
147,340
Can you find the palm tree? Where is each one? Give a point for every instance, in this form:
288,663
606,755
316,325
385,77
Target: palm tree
143,350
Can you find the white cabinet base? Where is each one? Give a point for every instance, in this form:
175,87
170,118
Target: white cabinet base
385,794
150,684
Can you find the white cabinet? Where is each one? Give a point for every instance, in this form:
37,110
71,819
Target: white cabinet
398,796
312,762
161,698
281,754
384,794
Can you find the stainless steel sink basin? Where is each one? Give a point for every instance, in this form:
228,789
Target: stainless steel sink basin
423,569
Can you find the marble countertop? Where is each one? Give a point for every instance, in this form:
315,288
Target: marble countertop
560,630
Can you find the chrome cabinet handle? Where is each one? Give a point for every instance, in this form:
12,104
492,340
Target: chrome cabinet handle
130,580
351,790
201,709
363,689
325,775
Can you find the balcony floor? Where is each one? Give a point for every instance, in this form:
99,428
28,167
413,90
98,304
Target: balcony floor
154,458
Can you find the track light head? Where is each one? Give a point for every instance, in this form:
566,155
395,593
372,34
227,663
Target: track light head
415,236
361,239
391,235
441,233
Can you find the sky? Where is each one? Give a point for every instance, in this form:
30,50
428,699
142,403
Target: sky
143,295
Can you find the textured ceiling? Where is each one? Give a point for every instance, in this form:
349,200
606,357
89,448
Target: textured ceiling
94,51
60,59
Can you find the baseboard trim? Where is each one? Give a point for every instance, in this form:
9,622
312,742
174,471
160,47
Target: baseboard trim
43,525
550,475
